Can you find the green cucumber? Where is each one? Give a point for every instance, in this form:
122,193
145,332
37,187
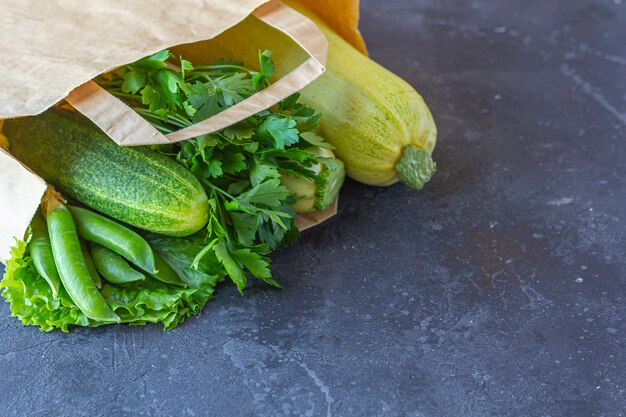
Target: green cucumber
137,186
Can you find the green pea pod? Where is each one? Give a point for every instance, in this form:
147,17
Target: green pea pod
112,235
41,253
95,276
113,267
70,263
165,273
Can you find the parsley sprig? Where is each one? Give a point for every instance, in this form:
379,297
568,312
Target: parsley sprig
239,166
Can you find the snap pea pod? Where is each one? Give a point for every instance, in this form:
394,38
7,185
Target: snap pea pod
112,235
166,273
41,253
95,276
70,263
113,267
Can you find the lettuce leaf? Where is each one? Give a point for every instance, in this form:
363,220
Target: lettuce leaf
150,301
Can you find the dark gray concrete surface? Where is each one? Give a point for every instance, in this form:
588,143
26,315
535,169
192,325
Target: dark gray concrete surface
497,291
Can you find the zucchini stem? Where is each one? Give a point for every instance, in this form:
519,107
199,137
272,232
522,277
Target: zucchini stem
415,167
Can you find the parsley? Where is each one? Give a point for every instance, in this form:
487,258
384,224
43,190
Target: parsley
240,166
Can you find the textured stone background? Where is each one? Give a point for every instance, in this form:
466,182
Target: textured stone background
497,291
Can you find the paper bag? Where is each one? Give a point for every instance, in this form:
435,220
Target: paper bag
59,46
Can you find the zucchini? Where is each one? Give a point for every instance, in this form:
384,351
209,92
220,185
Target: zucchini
380,126
137,186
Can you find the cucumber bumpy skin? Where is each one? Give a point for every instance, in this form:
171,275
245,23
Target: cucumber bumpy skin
137,186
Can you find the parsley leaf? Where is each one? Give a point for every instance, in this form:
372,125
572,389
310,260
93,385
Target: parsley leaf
260,171
245,227
270,193
134,81
316,140
279,131
232,267
233,162
260,79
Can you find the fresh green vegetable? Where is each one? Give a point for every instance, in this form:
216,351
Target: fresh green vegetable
93,271
117,238
321,191
135,185
381,127
112,266
71,264
241,166
166,273
141,302
41,253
